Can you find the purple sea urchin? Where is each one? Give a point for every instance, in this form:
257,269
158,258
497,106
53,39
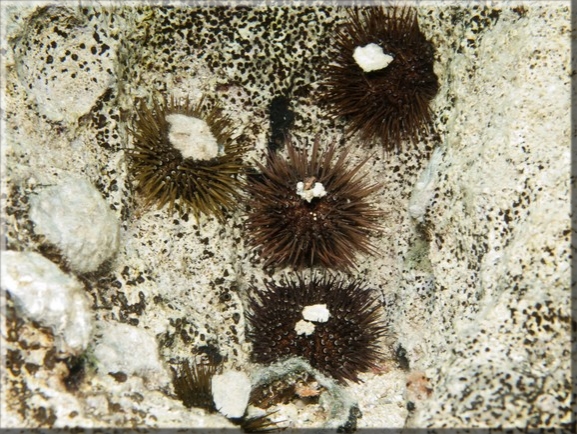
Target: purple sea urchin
382,77
334,324
307,212
180,155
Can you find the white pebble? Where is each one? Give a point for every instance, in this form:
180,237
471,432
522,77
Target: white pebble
230,393
74,217
192,137
303,327
45,294
371,57
316,312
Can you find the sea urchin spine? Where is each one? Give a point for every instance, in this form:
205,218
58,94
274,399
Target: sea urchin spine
311,212
335,325
382,78
182,156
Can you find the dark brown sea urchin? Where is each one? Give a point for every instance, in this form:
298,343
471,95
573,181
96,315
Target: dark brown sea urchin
204,183
390,103
192,384
342,346
326,228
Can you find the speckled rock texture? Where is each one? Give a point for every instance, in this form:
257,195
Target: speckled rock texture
474,258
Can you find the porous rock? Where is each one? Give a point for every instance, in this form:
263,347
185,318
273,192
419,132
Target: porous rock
128,349
473,272
46,294
74,217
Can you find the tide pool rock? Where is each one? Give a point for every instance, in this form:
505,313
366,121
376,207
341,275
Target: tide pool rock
74,217
45,294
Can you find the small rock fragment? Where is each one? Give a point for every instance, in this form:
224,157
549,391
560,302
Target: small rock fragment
230,393
74,217
47,295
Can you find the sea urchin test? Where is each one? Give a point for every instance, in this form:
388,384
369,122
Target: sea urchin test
186,157
336,325
383,90
311,209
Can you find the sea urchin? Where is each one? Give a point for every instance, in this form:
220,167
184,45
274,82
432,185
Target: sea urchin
333,324
305,213
382,78
192,384
182,156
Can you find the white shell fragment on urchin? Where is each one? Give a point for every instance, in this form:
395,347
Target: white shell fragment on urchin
303,327
318,190
74,217
316,313
230,393
46,294
192,137
371,57
312,313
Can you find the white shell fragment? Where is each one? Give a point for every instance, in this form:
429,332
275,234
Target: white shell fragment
371,57
192,137
46,294
316,312
303,327
230,393
318,190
